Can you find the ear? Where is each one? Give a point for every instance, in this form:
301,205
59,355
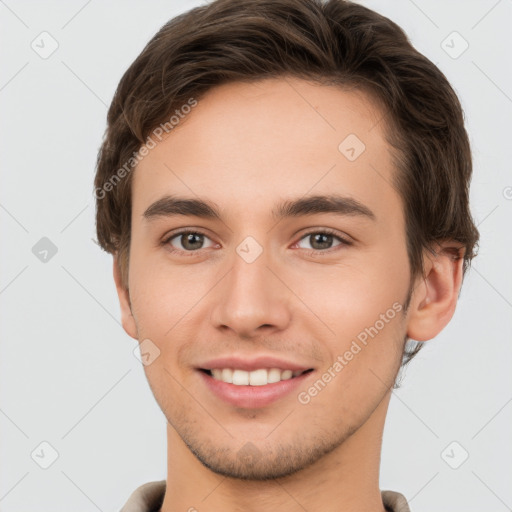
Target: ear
127,319
435,294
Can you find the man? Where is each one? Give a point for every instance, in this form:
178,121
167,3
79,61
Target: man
284,187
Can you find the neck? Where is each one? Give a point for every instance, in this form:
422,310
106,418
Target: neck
346,479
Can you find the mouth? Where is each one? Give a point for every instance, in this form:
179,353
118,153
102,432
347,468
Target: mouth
259,377
252,389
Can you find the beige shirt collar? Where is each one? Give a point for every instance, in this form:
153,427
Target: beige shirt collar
149,498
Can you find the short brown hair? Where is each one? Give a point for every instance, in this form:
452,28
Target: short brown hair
334,42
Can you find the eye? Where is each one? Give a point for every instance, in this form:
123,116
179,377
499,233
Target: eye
322,240
191,242
186,241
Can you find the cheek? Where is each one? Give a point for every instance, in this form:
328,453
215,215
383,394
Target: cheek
361,308
153,295
350,297
165,298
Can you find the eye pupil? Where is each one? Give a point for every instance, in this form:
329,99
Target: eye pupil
189,239
323,245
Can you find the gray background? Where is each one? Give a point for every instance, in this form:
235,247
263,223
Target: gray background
68,375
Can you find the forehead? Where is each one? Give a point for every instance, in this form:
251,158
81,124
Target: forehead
250,144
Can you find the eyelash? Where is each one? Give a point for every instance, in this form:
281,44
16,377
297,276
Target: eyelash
313,252
324,231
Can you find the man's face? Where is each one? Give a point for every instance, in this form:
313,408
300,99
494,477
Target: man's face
249,284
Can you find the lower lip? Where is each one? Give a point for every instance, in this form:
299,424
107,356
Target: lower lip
252,397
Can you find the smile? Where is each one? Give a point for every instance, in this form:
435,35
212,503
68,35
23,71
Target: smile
252,389
259,377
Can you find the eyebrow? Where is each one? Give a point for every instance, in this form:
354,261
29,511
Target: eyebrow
169,206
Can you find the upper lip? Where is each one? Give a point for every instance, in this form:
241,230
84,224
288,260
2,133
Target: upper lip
255,363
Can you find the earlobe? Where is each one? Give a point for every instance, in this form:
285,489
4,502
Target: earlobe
127,319
435,295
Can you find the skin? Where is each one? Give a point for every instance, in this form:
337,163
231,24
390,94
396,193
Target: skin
246,147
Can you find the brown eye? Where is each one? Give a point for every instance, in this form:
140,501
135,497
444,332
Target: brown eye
322,241
188,241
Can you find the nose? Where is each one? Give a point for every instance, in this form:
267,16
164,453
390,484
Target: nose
252,299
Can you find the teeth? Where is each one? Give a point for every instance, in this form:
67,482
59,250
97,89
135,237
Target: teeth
240,378
259,377
226,375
